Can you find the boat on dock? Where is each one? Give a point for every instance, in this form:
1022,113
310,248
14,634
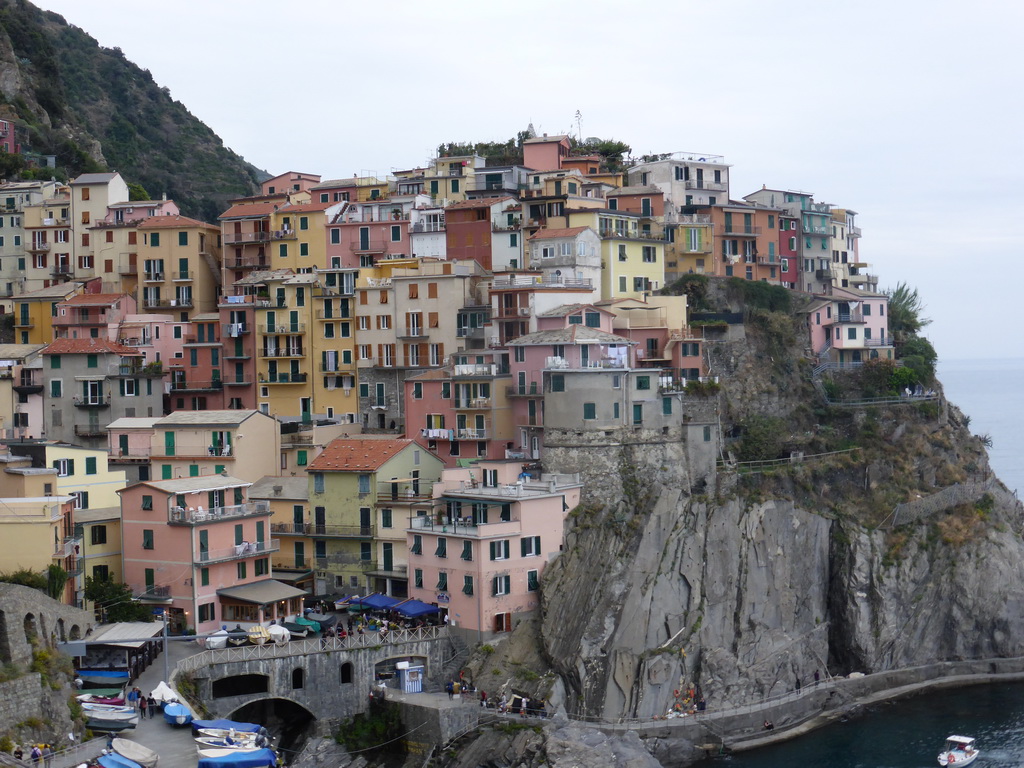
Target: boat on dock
260,758
113,760
957,751
258,635
177,714
136,752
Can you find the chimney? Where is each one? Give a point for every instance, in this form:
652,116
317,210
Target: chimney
278,489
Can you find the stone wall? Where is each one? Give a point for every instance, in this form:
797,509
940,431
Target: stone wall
26,614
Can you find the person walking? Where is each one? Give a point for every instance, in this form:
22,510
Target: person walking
48,754
151,702
36,754
19,755
133,698
450,688
143,704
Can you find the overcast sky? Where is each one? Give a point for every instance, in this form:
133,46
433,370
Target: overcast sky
907,111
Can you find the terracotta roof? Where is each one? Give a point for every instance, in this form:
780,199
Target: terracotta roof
249,210
546,234
88,347
304,207
355,455
95,299
570,309
573,334
485,202
173,221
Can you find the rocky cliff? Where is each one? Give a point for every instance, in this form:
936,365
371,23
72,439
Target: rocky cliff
746,582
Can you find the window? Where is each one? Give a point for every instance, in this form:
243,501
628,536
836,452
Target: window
92,361
365,551
364,484
204,577
622,252
396,233
90,465
442,547
64,467
500,549
417,579
666,406
557,382
467,585
417,545
649,254
262,567
147,539
386,518
532,581
851,333
530,546
240,570
467,550
101,573
417,390
56,388
501,585
301,458
707,434
589,411
643,382
442,581
98,534
318,482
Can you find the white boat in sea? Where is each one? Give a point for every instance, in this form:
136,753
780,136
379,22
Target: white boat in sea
958,750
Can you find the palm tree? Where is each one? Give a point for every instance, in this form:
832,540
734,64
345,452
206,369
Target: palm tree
905,308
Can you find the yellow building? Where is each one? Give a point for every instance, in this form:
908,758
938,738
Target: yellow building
34,312
305,346
180,266
288,499
37,526
447,178
633,261
299,236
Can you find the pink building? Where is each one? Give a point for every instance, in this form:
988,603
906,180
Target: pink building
850,326
159,338
290,182
197,546
480,555
546,153
363,233
196,382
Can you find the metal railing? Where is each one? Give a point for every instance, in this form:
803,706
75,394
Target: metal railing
312,529
283,328
238,552
230,238
201,515
714,186
354,642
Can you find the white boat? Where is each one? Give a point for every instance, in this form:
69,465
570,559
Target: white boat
958,750
134,751
258,635
279,634
164,694
109,712
218,639
235,742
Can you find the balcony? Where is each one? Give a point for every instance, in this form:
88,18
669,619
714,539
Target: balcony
136,341
91,401
24,321
533,389
128,269
233,238
85,318
475,370
245,381
62,270
237,552
412,332
336,367
27,385
282,352
538,281
151,303
197,386
180,276
631,234
150,276
691,218
850,317
819,208
284,234
810,229
194,515
428,226
854,231
234,330
713,186
736,230
283,328
465,526
38,246
151,592
369,246
403,490
472,434
323,531
473,404
91,430
284,378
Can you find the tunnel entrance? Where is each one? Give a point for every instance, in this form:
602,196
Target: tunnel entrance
289,723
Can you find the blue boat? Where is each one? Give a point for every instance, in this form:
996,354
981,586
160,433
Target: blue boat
177,714
114,760
261,758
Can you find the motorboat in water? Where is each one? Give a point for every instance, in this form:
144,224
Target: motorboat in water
958,750
135,752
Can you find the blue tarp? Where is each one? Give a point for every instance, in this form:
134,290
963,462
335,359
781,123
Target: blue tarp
257,759
173,711
113,760
378,601
414,608
226,725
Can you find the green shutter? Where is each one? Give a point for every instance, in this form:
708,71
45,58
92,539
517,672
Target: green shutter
165,472
90,465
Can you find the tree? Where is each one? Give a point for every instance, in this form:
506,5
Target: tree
25,578
115,600
137,192
905,308
56,579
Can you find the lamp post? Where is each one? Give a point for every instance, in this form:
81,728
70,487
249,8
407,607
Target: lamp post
167,663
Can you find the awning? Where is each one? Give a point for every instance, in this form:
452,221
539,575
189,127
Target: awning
126,634
261,592
292,577
378,601
416,608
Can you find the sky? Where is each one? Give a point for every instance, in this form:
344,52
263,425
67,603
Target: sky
906,111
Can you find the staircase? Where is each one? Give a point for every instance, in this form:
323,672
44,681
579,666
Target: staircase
458,652
211,262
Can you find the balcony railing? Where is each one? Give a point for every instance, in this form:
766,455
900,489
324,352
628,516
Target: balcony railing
475,369
238,552
336,367
85,318
91,401
151,591
283,328
473,404
231,238
197,386
413,332
631,234
472,434
284,378
714,186
150,303
403,490
465,526
810,229
739,230
38,247
91,430
150,276
428,226
62,270
282,352
533,389
182,274
192,515
326,531
234,330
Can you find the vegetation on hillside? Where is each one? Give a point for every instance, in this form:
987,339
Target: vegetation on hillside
906,320
510,152
95,110
115,600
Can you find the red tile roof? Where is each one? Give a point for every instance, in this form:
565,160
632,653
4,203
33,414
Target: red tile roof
95,299
305,207
354,455
88,346
173,221
485,202
545,234
250,210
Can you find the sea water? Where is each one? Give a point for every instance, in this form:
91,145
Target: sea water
906,734
991,392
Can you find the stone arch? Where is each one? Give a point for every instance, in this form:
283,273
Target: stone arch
31,629
298,678
346,672
76,632
240,685
60,631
